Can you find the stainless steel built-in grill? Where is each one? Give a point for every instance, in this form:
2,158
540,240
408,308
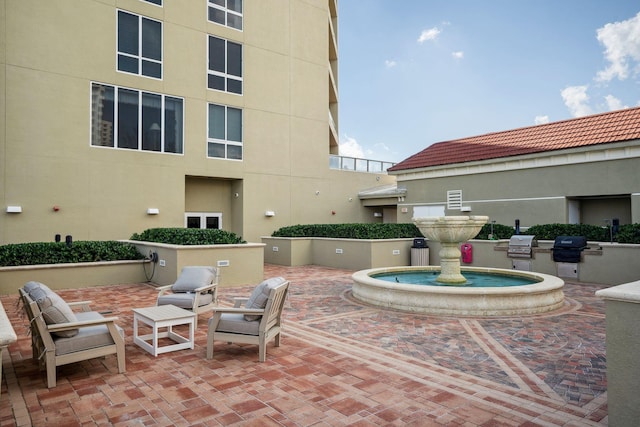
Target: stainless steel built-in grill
521,246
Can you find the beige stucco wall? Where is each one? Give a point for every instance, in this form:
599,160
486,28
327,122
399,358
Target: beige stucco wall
104,193
538,191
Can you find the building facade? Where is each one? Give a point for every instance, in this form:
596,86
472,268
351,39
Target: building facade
123,115
578,171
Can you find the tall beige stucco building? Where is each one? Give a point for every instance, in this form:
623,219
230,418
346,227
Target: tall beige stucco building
122,115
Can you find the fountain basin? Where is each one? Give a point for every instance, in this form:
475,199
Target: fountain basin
543,296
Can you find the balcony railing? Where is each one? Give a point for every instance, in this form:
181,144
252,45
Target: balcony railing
358,165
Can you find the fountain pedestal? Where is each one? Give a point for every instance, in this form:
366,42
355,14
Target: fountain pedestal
450,231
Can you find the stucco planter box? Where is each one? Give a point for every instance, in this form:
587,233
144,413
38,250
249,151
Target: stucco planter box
351,254
72,275
240,264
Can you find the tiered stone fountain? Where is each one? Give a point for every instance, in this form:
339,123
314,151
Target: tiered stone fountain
542,295
450,231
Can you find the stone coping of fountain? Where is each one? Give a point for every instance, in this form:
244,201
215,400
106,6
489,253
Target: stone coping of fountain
540,297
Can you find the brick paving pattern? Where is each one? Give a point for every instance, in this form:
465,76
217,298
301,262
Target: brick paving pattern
341,363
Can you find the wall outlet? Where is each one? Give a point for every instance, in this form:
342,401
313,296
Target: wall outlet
275,249
162,263
224,263
338,251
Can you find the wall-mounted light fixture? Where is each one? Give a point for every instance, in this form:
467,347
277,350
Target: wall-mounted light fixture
465,209
153,211
14,209
317,192
269,213
377,214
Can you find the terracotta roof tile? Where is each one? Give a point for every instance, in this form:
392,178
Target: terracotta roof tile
614,126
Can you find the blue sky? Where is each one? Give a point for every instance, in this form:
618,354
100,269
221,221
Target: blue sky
416,72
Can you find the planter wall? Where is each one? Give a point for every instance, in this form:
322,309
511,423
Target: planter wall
79,275
239,265
604,263
351,254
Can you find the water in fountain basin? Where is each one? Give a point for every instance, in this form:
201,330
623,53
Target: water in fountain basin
474,279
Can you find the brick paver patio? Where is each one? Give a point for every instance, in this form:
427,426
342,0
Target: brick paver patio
340,363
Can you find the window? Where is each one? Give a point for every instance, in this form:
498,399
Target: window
203,220
226,12
225,65
139,45
224,137
158,2
135,120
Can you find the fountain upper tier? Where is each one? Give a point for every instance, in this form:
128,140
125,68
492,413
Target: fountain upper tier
450,229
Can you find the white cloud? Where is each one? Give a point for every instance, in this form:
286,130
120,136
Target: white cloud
576,99
614,103
390,63
430,34
622,47
458,55
539,120
349,147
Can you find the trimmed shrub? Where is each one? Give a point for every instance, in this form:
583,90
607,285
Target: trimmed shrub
188,236
499,232
629,233
350,231
60,253
551,231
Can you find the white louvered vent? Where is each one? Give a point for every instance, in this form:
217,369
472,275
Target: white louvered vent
454,199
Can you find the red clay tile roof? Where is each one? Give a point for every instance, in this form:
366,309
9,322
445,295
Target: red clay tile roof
614,126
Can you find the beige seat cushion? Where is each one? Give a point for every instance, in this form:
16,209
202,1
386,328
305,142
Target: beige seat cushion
86,338
184,299
236,323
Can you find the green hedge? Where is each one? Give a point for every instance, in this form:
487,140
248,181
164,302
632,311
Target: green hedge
60,253
188,236
629,233
350,231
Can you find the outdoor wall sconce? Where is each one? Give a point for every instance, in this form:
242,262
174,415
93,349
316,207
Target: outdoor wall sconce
269,213
317,192
14,209
153,211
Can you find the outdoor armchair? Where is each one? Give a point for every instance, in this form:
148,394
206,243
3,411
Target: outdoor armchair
257,323
60,336
196,289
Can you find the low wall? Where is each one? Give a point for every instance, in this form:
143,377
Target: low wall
239,265
73,275
351,254
604,263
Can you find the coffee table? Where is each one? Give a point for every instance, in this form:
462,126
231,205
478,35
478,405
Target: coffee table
163,316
